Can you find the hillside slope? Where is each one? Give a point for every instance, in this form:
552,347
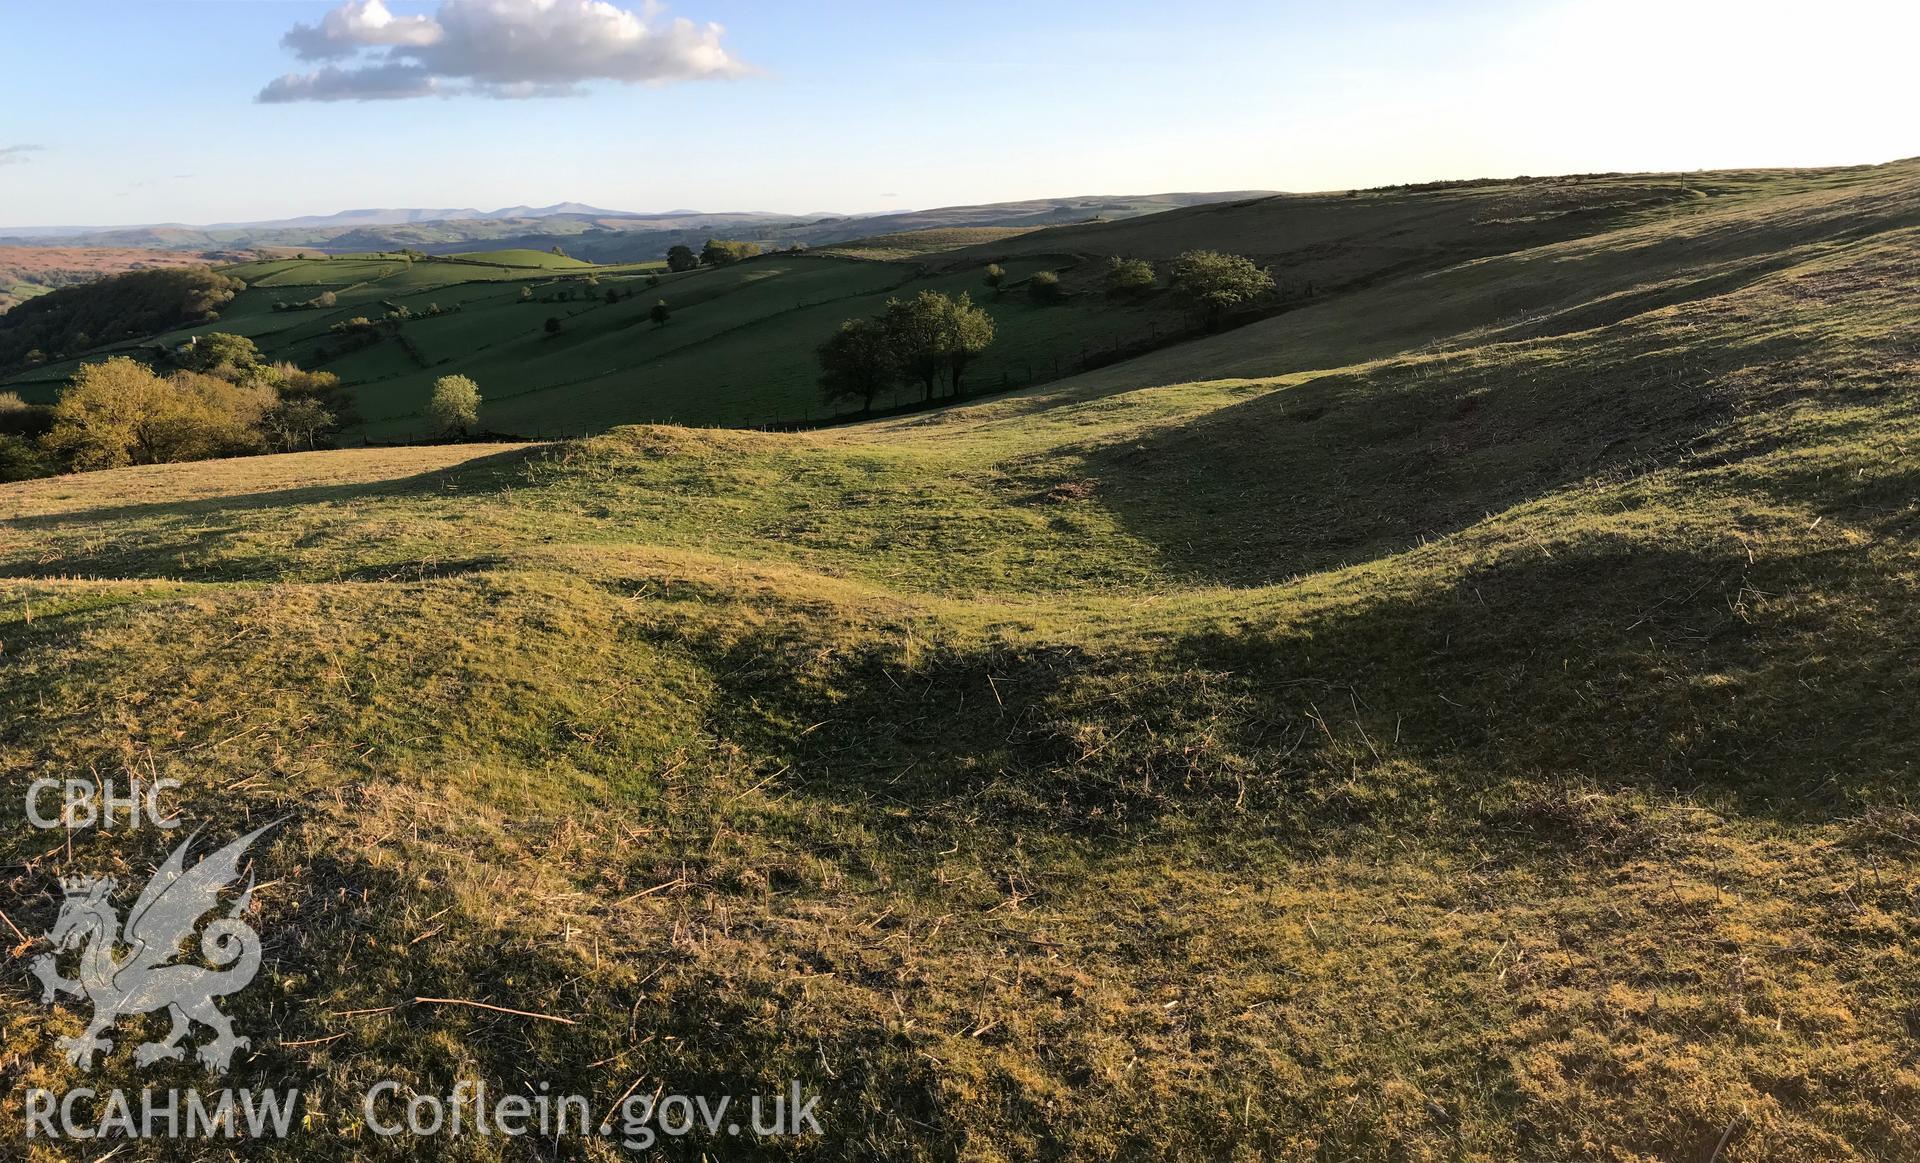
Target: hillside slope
740,350
1461,719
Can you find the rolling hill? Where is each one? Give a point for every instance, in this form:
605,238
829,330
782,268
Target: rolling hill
739,351
29,271
1458,717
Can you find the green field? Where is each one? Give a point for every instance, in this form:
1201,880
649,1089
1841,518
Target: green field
1463,718
739,349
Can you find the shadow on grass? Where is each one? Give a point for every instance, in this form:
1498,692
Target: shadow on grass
1350,467
482,474
1668,671
163,539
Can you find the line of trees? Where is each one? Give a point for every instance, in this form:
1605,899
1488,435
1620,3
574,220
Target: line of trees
917,340
1213,284
720,253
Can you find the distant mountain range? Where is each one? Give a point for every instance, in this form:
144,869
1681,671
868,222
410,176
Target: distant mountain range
590,232
346,219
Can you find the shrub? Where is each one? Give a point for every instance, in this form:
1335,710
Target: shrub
19,418
20,460
1129,276
1044,287
119,413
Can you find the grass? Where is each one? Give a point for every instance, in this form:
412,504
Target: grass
1459,719
740,349
912,244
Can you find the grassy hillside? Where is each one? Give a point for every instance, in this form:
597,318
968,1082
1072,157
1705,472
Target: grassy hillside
740,348
27,271
1458,719
914,244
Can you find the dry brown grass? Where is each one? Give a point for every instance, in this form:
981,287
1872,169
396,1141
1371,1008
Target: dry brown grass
1486,747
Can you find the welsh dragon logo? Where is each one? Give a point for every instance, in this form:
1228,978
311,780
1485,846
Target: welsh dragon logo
155,933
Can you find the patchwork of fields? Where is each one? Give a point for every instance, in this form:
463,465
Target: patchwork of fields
739,348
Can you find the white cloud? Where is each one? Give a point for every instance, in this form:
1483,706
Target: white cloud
373,82
359,24
14,155
496,48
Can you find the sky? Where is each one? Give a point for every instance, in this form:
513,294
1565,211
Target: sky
202,111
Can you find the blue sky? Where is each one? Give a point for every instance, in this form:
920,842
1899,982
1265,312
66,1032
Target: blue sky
134,111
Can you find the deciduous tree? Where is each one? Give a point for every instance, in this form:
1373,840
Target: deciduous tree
119,413
455,405
857,362
1216,283
933,333
218,349
720,252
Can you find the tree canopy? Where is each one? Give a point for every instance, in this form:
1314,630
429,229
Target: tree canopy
128,306
455,405
1216,283
720,252
857,362
218,349
119,413
1129,276
919,339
